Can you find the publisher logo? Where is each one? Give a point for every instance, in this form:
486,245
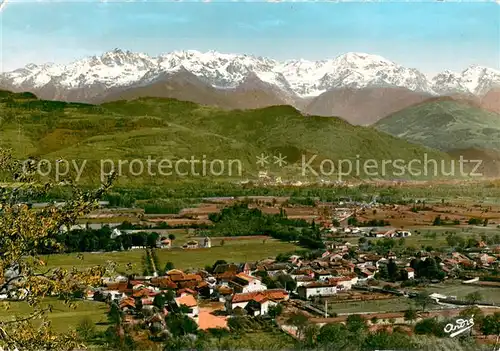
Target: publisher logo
459,326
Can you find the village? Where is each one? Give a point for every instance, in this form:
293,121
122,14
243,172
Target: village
390,265
362,270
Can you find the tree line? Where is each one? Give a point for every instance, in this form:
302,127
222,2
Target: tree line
91,240
240,220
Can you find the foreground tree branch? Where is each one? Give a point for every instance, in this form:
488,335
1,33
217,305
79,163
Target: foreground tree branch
25,234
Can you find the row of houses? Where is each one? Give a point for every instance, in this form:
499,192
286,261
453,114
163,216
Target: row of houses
370,232
241,288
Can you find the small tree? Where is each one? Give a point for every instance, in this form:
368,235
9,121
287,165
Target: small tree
437,221
355,323
170,296
218,262
300,321
138,305
287,282
334,336
169,266
86,329
311,332
115,314
491,324
218,333
410,315
180,324
159,301
473,297
26,234
275,311
172,238
152,239
423,300
428,326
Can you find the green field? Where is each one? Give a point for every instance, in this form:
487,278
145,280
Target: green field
63,316
489,294
236,251
388,305
402,303
423,238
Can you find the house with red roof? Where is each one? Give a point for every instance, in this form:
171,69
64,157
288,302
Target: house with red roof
264,299
410,272
190,302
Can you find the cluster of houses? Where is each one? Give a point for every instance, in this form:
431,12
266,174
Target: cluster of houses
230,287
240,289
240,286
371,232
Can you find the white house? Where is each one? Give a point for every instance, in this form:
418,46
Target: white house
114,295
116,279
304,280
244,283
411,272
259,308
403,233
324,274
366,274
207,242
382,261
164,243
344,283
115,233
355,230
316,289
302,273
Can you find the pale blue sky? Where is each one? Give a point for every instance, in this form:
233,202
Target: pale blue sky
431,36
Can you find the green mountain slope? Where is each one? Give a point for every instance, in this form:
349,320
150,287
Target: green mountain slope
446,125
170,129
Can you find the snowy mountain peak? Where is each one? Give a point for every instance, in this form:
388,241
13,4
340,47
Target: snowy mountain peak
362,59
475,79
119,69
31,66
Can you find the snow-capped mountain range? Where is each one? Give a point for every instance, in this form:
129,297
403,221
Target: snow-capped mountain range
125,69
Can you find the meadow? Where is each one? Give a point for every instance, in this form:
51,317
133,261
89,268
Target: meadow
435,237
63,316
453,288
236,251
387,305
